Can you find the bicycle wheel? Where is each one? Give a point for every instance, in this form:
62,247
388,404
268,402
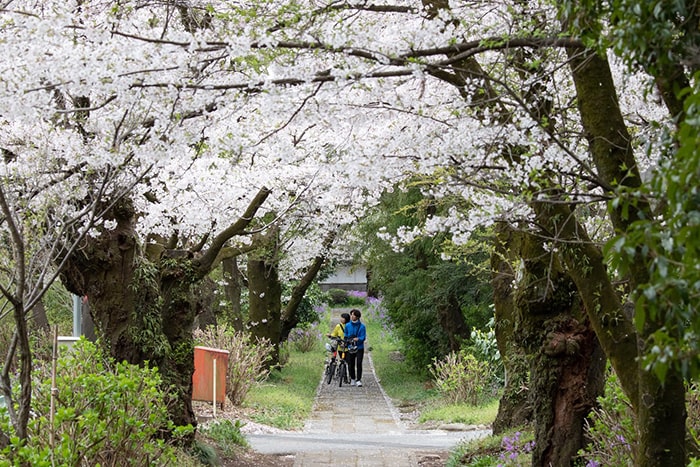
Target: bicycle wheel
330,370
342,373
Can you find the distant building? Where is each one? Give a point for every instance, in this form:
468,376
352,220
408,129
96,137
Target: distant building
346,278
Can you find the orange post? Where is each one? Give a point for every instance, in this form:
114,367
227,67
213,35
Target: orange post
209,378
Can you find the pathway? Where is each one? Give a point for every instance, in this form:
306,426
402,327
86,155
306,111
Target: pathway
359,426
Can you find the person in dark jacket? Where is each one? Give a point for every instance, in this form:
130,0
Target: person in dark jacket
357,332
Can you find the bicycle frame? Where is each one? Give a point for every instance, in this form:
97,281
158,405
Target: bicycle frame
336,366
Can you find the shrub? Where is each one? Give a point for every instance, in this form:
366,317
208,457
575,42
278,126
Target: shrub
611,429
106,413
305,339
485,348
226,434
311,305
460,377
247,360
357,298
338,297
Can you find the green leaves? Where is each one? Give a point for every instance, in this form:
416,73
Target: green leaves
106,413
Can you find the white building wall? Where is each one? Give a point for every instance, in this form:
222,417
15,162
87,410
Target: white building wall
348,278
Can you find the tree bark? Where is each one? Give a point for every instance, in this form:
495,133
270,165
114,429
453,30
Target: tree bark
567,366
265,295
452,322
515,407
659,405
232,289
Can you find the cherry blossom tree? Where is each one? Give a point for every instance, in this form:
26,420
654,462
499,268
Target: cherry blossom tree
196,106
152,182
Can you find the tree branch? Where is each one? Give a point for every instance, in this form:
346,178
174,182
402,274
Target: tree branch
206,262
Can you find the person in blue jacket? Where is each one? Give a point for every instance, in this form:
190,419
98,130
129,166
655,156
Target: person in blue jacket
356,331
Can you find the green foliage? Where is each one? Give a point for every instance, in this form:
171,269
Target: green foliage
417,285
508,449
247,360
305,338
147,330
338,297
205,454
460,377
672,241
59,308
611,431
314,298
485,348
647,34
106,413
226,434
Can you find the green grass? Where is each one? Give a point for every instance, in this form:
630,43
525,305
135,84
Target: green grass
285,399
461,413
408,387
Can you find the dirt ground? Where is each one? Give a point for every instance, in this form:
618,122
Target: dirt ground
251,458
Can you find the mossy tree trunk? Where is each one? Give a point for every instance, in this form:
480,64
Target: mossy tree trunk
145,306
567,362
515,407
659,406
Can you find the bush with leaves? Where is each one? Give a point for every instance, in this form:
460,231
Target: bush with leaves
611,429
226,434
338,297
247,360
106,413
460,377
485,348
305,338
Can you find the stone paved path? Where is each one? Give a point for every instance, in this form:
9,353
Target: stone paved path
359,426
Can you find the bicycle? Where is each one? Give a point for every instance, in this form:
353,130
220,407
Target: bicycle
331,362
336,366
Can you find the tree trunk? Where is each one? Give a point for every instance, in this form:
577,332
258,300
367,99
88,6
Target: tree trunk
659,406
88,326
452,322
514,408
143,311
233,280
567,367
39,319
205,293
145,307
265,295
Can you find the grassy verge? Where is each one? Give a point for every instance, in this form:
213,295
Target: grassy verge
409,388
285,399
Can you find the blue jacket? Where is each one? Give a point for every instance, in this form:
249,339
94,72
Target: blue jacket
356,329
